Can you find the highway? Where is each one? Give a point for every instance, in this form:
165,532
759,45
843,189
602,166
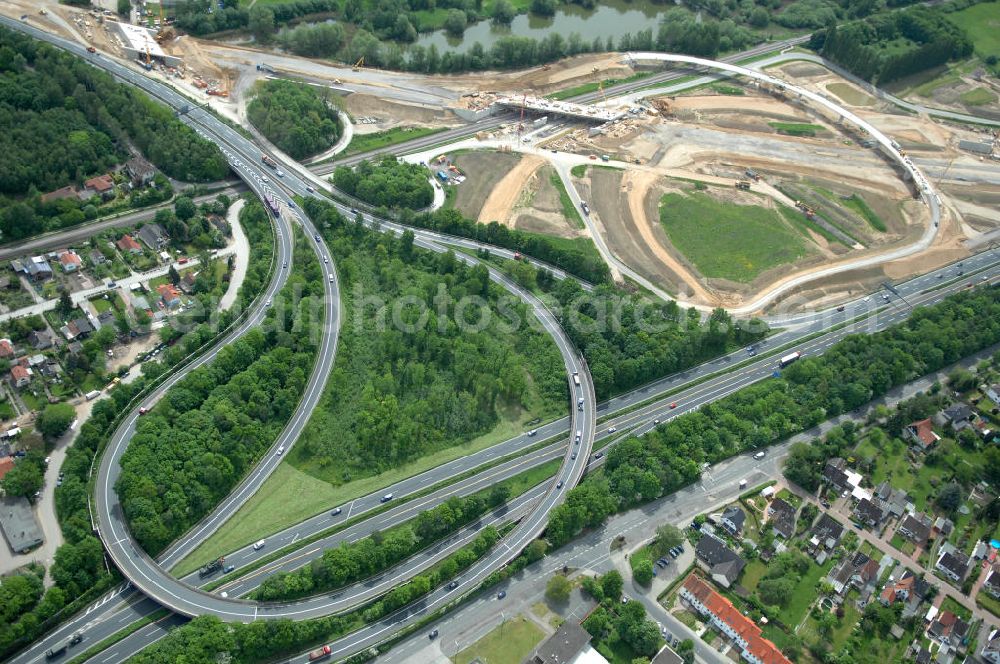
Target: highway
151,577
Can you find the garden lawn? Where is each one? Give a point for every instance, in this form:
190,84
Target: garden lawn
510,643
728,241
803,595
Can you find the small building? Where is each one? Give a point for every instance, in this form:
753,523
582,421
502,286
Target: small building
60,194
834,473
991,651
898,591
993,393
169,295
947,628
154,236
188,280
6,349
97,257
40,339
667,656
958,416
78,328
782,518
921,433
977,147
827,532
140,172
70,261
952,563
916,528
568,645
139,303
857,570
102,185
35,268
128,244
733,519
992,582
894,501
74,347
722,563
18,524
20,376
943,526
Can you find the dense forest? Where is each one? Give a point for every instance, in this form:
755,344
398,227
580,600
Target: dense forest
415,371
207,431
849,374
297,118
887,47
387,183
66,121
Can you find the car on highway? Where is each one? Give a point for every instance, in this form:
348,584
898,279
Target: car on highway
501,594
573,455
316,236
612,429
258,545
532,433
656,421
336,511
281,449
559,484
354,210
310,189
585,208
453,585
759,455
673,405
228,568
599,455
268,303
386,498
142,411
285,265
840,308
433,634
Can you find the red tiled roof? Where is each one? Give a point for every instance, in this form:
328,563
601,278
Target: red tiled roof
6,463
19,372
924,431
167,292
59,194
101,183
725,612
69,258
6,348
128,243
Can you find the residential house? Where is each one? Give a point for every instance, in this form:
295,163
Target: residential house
6,349
17,521
667,656
6,464
943,526
957,416
70,261
128,244
992,582
826,532
782,518
105,319
835,474
20,376
37,269
188,280
78,328
894,501
857,570
981,550
722,563
991,651
867,513
952,563
169,295
922,656
733,519
139,171
916,528
898,591
921,433
743,631
993,393
97,258
40,339
139,303
50,368
947,628
102,185
74,348
60,194
567,646
154,236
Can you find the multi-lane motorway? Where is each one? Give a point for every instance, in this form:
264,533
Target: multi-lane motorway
150,576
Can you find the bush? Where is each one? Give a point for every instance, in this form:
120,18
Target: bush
642,572
298,118
388,183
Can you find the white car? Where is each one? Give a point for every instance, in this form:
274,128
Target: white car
281,449
759,455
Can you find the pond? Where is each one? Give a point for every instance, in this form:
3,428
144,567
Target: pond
611,18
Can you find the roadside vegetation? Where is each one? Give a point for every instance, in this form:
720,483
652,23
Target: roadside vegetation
210,428
299,119
383,139
86,122
797,128
728,241
849,374
387,183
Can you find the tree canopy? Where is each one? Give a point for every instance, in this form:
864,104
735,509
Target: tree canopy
387,183
297,118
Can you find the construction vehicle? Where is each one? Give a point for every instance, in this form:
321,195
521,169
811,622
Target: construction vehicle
359,64
743,184
808,211
211,568
91,49
43,12
320,653
753,175
605,157
263,66
268,161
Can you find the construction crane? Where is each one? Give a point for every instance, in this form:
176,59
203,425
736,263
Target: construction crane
165,32
600,85
359,64
520,122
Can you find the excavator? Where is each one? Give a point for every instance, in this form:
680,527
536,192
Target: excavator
166,32
359,64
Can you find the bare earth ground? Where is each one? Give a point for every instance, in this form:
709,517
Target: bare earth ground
539,208
482,170
393,114
504,195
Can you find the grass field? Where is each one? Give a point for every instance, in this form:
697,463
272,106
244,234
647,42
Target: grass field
851,95
569,210
510,643
728,241
587,88
989,603
982,23
727,89
803,594
752,574
797,128
291,495
859,205
365,142
978,97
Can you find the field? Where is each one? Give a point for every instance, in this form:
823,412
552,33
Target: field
851,95
509,643
728,241
380,139
982,23
569,210
978,97
291,495
483,170
797,128
859,205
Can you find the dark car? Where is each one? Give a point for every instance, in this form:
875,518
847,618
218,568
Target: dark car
453,585
336,511
501,594
433,634
559,484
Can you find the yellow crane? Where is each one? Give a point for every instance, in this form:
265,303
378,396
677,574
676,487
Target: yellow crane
359,64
